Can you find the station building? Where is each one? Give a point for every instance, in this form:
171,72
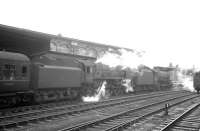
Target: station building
172,71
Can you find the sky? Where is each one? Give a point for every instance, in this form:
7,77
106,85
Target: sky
168,31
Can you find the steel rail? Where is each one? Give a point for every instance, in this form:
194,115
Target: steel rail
88,106
179,118
47,116
17,110
103,120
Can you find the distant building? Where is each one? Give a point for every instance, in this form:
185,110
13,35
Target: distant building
173,71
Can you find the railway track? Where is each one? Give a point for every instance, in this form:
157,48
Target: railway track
187,121
157,121
25,108
14,120
8,111
127,118
19,111
67,105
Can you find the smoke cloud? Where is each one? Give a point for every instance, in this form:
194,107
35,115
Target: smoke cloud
122,57
185,82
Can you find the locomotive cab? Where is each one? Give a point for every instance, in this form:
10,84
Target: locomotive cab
88,84
88,68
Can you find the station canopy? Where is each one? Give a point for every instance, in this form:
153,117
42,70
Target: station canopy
32,43
23,41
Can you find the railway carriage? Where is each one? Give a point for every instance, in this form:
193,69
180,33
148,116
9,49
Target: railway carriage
14,77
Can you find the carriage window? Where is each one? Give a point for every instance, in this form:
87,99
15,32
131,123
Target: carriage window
9,72
24,71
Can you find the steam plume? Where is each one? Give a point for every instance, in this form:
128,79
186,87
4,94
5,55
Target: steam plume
100,94
186,82
122,58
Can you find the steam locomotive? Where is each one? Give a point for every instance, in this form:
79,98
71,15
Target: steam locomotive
54,76
151,80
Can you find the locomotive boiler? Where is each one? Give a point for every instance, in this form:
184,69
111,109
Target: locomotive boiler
112,76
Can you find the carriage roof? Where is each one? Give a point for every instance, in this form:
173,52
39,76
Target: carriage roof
13,56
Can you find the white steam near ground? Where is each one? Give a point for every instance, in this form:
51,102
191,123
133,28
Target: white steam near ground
100,94
127,85
101,91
